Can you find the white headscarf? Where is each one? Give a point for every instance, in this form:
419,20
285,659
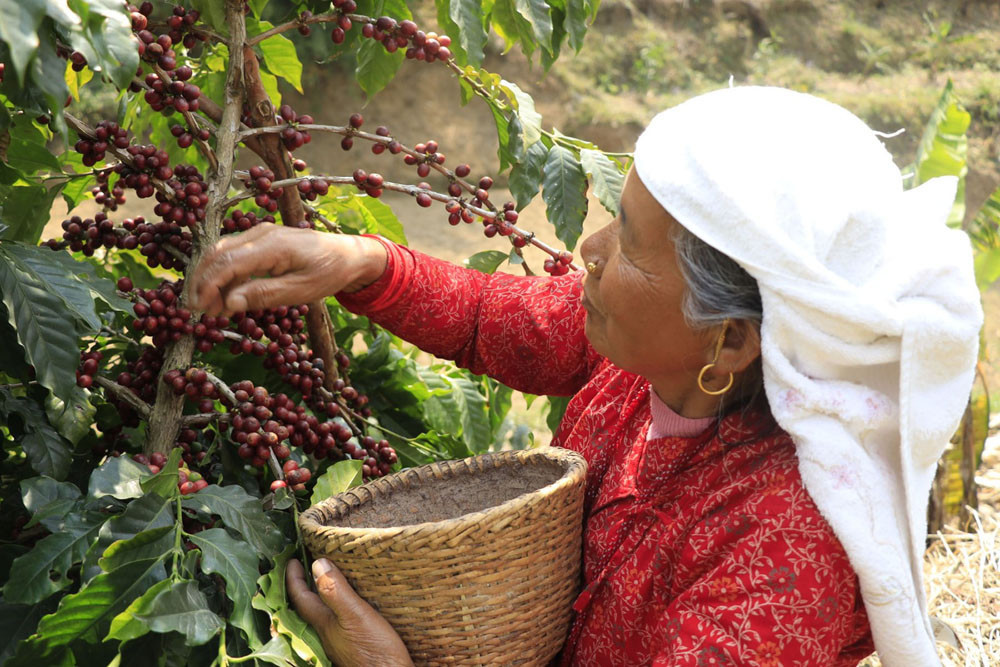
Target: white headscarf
871,315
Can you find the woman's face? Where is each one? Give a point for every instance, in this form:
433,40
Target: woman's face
633,299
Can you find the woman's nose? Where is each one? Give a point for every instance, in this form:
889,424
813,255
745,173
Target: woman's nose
595,248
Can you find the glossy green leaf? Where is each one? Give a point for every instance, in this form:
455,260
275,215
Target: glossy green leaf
943,148
467,15
126,625
183,608
29,157
76,190
25,207
46,450
71,417
538,14
43,571
165,483
526,176
213,13
19,28
278,652
487,261
339,477
565,193
385,221
149,544
85,616
237,563
77,80
531,120
241,512
281,58
119,477
578,16
605,176
148,512
110,30
376,66
39,492
18,622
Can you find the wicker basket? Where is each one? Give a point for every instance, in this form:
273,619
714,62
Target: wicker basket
473,562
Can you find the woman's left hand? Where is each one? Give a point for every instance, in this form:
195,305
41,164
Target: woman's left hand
353,633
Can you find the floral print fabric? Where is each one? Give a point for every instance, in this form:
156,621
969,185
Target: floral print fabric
697,551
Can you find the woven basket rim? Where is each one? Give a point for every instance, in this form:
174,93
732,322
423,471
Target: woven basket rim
575,465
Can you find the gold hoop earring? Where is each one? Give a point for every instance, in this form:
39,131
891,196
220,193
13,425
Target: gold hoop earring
715,359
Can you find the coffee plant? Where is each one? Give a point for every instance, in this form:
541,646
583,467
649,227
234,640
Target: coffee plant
156,458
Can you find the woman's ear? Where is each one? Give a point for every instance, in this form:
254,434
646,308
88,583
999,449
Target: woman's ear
740,349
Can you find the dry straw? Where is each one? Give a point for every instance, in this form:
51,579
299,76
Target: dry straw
474,562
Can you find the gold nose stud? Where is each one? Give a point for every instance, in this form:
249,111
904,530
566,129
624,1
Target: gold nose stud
591,267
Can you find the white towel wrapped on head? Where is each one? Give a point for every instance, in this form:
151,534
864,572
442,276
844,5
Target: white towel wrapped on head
871,314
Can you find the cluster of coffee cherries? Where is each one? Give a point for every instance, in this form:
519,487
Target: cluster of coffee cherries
190,197
240,221
108,197
159,314
106,134
169,95
148,161
86,235
370,184
291,136
395,35
89,363
194,384
139,377
153,238
261,423
430,155
295,477
188,482
260,181
185,137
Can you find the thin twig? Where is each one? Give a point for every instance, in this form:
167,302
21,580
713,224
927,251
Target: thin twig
124,394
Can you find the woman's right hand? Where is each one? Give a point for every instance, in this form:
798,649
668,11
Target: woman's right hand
271,265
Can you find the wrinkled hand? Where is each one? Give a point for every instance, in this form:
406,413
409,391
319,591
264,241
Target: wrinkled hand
271,265
353,633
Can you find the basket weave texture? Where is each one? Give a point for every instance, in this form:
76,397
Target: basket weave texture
473,562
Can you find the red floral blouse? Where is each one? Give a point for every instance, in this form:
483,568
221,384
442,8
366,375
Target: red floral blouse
697,551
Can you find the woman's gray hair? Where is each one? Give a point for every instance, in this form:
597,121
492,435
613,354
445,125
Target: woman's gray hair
718,289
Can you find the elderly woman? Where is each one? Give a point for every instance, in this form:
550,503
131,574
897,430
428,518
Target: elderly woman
769,349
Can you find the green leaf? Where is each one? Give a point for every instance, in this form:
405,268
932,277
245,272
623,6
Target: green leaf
467,16
38,296
385,221
338,478
504,148
281,58
72,417
19,29
531,120
538,15
487,261
47,452
273,601
126,626
987,267
40,492
42,571
578,15
237,563
276,652
606,177
241,512
183,608
76,190
164,483
29,156
85,616
149,512
77,80
257,7
119,477
556,410
376,66
526,176
270,83
17,622
149,544
565,193
26,210
944,148
213,13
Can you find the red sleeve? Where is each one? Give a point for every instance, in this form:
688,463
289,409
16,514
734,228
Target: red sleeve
525,331
775,594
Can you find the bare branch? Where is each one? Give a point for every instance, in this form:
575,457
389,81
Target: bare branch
123,394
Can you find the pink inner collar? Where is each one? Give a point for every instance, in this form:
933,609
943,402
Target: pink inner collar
667,423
